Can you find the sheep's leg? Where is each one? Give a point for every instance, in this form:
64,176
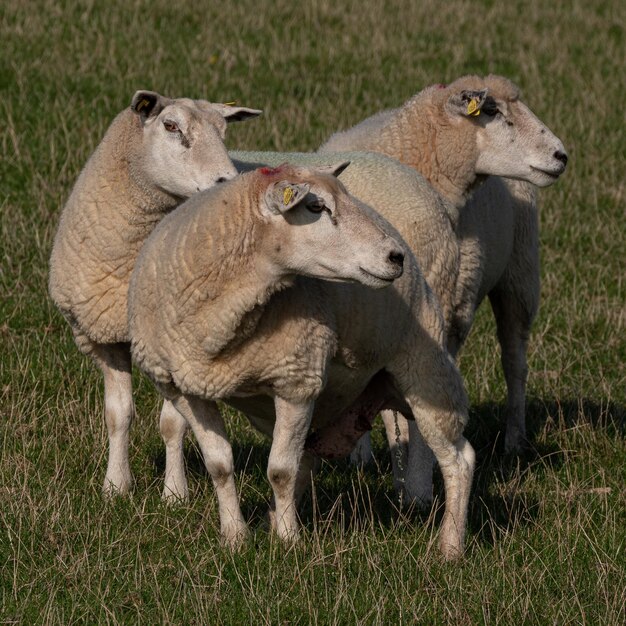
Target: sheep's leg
397,431
115,362
456,460
284,467
362,453
434,391
411,460
513,322
457,467
173,427
309,466
418,482
208,426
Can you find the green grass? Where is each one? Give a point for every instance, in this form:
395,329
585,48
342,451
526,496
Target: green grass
547,532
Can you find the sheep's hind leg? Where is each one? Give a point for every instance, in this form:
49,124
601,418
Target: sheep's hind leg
513,322
412,460
284,470
173,427
418,474
362,454
115,362
208,426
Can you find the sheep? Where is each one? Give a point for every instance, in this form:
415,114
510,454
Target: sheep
462,138
155,154
228,302
422,216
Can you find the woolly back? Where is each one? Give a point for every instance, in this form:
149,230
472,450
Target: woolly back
499,87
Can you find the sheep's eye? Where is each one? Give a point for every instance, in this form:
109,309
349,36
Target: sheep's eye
490,109
171,127
317,206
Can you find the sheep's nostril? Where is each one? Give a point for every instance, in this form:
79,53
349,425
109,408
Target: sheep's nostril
396,258
221,179
561,156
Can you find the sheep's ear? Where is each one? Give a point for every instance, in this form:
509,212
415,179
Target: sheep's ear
147,104
467,102
232,113
282,196
335,169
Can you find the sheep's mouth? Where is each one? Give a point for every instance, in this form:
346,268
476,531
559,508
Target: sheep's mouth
553,174
383,279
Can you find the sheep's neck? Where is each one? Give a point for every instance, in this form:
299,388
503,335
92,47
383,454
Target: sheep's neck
146,204
439,153
231,289
238,311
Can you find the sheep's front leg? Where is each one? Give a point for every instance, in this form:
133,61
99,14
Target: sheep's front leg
434,391
115,362
456,460
173,427
208,426
290,431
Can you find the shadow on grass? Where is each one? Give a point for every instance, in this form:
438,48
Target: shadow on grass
356,499
499,501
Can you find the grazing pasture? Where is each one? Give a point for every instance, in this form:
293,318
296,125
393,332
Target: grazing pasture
546,533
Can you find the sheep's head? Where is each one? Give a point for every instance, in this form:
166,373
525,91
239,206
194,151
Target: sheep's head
183,147
317,229
510,140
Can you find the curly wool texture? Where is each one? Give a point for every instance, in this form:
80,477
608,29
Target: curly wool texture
497,230
111,210
307,352
313,339
400,195
420,135
197,289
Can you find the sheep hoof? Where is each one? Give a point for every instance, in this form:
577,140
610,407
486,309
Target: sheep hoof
450,551
515,444
234,537
119,487
173,497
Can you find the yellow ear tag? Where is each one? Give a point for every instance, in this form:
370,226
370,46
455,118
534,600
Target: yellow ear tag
230,104
472,107
144,103
287,195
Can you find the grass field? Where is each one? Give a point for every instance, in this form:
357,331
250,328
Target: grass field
547,532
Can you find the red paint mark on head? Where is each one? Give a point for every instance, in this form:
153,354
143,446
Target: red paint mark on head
441,86
271,171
